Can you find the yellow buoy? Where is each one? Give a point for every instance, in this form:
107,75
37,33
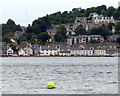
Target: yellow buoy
51,85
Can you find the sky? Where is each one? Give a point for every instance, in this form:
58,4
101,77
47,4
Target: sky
23,12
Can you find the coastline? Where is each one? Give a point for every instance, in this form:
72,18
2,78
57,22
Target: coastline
59,56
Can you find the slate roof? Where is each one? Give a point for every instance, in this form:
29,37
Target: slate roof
48,47
84,36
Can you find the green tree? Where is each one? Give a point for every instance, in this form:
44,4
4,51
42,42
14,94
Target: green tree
32,41
59,38
110,25
100,9
62,30
10,22
103,31
23,38
6,39
14,48
80,30
117,28
118,40
29,36
116,14
89,10
41,24
43,37
103,12
36,29
10,28
94,41
110,11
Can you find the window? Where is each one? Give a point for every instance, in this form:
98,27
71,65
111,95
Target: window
77,40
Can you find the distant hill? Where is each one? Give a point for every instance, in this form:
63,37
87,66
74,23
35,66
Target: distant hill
67,17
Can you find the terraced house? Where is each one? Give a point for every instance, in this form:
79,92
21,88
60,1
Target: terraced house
83,39
48,50
99,52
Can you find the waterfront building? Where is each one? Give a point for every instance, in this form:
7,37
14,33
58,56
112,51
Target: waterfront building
48,51
64,51
76,51
28,51
113,52
87,51
10,52
26,47
99,52
36,48
21,52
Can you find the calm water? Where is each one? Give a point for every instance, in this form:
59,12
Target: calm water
79,75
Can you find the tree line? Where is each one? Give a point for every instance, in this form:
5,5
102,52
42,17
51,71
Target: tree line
36,32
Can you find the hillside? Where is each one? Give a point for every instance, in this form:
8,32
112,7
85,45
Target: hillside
39,27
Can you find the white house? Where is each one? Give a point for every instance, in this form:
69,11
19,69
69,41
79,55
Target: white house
87,52
28,51
10,52
64,51
76,51
36,48
27,48
21,52
101,19
48,51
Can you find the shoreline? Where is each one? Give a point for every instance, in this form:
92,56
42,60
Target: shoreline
59,56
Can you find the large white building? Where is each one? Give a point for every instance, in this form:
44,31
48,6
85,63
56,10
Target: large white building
48,50
97,19
83,39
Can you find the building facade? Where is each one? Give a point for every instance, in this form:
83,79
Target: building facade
10,52
99,52
83,39
48,51
76,51
98,19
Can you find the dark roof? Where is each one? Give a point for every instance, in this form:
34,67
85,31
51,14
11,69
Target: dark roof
51,30
95,36
114,36
76,48
84,36
64,51
35,44
48,47
64,48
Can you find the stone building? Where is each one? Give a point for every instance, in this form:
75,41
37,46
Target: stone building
83,39
99,52
52,33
